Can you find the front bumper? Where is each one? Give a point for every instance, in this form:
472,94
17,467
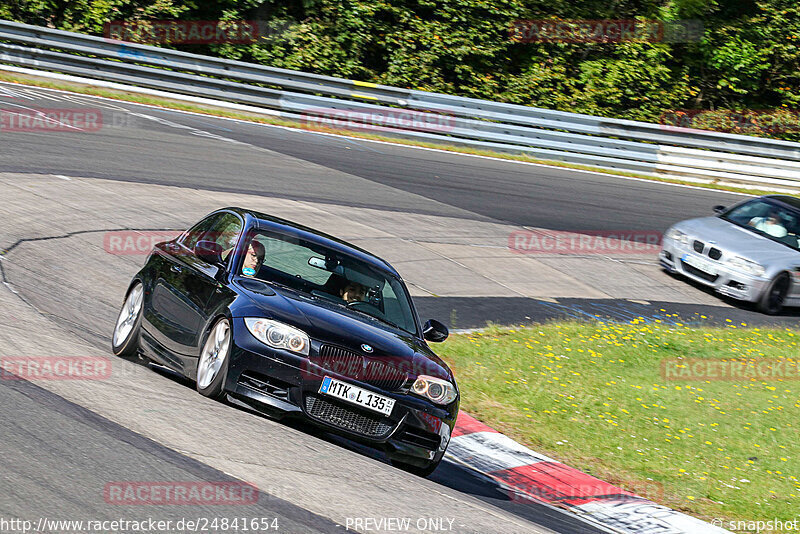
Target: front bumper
284,384
725,280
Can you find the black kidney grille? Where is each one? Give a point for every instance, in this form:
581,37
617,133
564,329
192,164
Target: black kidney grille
373,426
341,361
714,253
384,374
380,372
698,246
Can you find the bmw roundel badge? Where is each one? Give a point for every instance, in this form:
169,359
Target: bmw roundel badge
366,348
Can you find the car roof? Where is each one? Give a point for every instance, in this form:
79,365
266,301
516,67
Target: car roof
792,202
284,226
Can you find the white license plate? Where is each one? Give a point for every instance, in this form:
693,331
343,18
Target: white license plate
356,395
700,263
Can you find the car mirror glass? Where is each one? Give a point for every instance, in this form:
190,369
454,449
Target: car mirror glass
435,331
326,264
319,263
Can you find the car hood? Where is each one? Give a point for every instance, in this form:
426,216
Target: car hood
330,323
735,240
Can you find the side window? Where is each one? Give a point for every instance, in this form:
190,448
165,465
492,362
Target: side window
223,229
226,231
197,232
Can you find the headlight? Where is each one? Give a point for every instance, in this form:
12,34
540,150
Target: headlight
677,235
743,264
438,390
278,335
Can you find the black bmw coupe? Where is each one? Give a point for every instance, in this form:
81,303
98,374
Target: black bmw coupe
294,322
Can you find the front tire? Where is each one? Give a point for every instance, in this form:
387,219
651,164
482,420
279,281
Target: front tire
771,301
212,367
125,339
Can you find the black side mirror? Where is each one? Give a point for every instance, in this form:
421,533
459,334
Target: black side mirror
719,209
209,252
435,331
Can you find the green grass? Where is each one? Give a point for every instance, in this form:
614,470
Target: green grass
592,395
130,96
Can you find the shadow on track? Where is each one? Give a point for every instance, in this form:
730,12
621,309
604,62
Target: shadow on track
477,312
448,474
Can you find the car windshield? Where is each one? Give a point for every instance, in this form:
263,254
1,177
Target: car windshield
771,220
334,277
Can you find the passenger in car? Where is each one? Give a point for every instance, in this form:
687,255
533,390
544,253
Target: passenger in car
252,260
769,225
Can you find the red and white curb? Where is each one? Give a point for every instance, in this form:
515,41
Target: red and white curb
530,476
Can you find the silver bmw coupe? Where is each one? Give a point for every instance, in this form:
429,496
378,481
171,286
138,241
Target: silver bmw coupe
750,251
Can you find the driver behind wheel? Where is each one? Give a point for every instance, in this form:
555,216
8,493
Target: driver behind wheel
771,224
353,292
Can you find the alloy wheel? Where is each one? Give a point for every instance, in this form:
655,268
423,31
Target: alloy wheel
128,315
214,353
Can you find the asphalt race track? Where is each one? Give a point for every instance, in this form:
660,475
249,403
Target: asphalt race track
161,147
427,212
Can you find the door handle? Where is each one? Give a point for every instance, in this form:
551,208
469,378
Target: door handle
175,268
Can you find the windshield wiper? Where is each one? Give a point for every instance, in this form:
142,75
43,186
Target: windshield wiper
381,319
387,321
303,292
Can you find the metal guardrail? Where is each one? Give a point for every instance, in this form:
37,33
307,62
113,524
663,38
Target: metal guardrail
541,133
